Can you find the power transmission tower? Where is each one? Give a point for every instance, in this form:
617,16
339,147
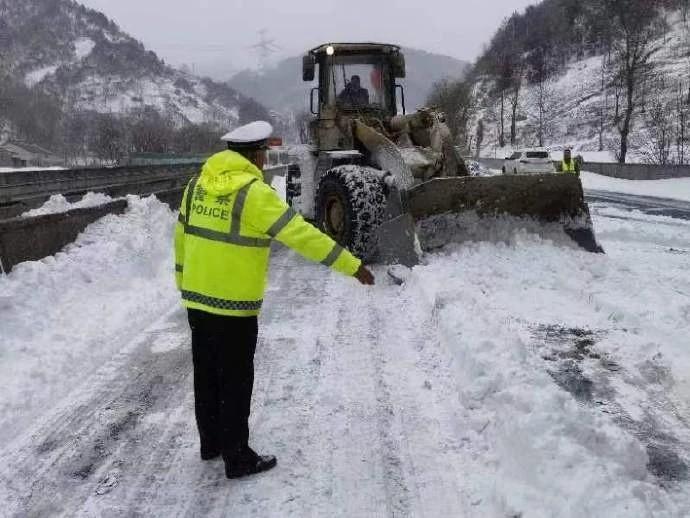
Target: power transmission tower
264,48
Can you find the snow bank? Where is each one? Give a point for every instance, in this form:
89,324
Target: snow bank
58,203
19,169
573,369
675,188
63,316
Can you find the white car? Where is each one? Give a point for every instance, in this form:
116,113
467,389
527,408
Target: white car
529,161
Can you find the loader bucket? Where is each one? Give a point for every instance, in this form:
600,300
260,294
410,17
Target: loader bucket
489,208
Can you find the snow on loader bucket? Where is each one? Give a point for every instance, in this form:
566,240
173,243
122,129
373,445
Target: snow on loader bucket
452,209
429,214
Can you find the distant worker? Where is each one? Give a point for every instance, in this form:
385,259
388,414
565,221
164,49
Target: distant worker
228,218
569,164
353,94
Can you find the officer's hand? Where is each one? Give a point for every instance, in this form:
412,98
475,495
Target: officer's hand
364,276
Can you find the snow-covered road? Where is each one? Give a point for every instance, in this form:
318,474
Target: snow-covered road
502,379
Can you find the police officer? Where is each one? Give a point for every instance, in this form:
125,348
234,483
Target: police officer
228,218
569,164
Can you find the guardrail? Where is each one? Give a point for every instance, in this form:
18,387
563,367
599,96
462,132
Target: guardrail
29,239
638,171
24,190
34,238
18,185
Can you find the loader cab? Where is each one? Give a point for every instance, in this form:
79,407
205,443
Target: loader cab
355,79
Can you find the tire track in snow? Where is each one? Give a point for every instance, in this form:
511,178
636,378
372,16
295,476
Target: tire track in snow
352,439
56,466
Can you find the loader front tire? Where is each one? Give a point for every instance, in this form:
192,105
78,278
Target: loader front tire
350,206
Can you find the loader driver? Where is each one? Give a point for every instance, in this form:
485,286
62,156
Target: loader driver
228,218
353,95
569,164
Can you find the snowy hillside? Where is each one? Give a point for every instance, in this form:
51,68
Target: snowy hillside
82,58
576,101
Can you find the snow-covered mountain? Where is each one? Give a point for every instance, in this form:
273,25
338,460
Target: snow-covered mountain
81,57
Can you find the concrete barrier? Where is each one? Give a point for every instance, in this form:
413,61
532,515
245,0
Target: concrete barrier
614,170
18,185
638,171
30,239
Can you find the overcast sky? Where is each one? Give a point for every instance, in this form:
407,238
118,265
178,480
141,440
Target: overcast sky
216,35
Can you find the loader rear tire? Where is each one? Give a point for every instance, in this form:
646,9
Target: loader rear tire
350,206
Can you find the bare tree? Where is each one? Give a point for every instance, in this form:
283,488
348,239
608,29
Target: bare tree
456,100
502,126
684,6
604,105
480,137
542,98
108,138
681,118
636,23
514,104
656,144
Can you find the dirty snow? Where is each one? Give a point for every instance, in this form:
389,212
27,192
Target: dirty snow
512,378
58,203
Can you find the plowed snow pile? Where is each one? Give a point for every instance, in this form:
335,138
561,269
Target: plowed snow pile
63,316
573,369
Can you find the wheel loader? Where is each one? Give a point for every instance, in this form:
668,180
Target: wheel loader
387,184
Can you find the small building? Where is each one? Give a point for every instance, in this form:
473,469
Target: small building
16,153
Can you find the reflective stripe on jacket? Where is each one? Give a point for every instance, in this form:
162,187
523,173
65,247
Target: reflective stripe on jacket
568,167
228,218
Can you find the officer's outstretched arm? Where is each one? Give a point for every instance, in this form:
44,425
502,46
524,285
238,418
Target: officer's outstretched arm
267,213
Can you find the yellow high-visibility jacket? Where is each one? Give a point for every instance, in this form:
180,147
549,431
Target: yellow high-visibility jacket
228,218
569,167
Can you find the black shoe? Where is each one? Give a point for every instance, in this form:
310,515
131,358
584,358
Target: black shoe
245,462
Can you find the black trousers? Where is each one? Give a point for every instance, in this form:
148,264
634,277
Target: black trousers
223,353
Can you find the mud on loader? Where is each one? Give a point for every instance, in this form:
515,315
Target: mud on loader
387,184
